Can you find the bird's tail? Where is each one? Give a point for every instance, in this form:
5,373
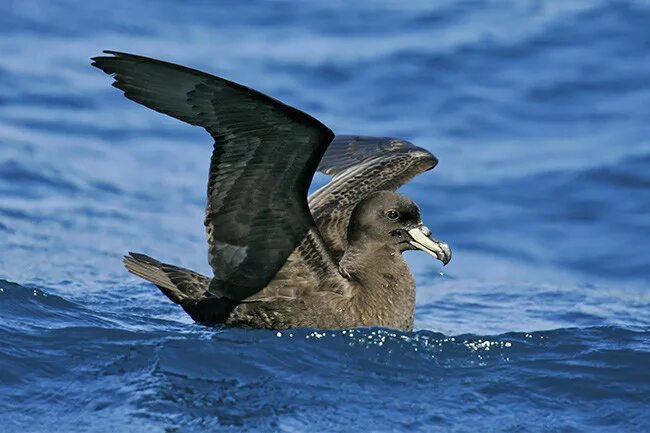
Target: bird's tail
182,286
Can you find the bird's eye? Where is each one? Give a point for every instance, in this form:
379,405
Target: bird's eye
392,214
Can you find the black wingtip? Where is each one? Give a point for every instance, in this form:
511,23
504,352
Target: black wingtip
130,257
101,62
113,53
104,62
100,57
141,258
434,160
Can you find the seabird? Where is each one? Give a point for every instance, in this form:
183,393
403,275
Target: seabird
282,259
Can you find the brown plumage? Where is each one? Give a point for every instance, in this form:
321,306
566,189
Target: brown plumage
281,259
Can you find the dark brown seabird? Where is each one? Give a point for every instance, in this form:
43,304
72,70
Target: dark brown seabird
282,259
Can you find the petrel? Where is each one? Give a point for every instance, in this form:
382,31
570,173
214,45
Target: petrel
282,259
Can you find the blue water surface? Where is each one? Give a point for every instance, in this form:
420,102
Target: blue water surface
539,112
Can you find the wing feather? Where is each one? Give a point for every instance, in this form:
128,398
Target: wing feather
361,165
264,158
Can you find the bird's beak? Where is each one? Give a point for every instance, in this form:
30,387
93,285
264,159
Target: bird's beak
420,239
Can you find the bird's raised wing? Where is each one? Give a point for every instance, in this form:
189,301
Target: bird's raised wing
361,165
264,158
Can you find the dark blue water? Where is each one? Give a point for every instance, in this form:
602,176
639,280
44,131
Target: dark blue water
540,115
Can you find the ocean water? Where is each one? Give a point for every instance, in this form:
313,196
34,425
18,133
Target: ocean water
540,115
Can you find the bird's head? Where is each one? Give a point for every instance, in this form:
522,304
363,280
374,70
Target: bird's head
393,219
